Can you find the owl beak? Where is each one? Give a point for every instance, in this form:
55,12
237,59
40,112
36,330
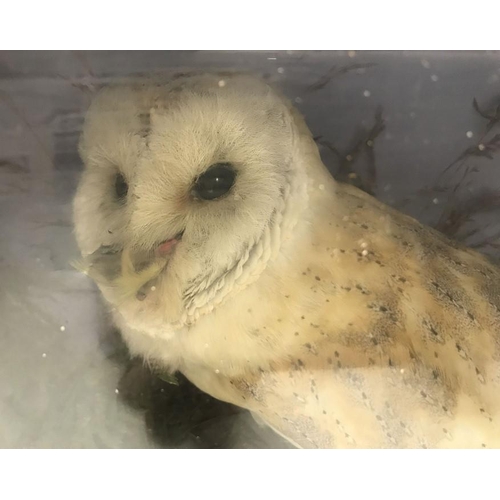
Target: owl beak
163,250
142,258
166,247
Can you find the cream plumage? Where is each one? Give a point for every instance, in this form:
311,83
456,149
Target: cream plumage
333,318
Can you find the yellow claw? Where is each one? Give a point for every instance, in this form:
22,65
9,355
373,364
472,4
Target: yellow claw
131,281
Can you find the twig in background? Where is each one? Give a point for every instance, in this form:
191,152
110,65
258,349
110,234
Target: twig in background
455,213
365,143
481,148
335,72
456,216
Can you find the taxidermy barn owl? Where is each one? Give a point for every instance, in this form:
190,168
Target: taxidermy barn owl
226,251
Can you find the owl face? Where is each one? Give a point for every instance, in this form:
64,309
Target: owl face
193,174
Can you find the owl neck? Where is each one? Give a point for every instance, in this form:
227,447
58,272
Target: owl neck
258,255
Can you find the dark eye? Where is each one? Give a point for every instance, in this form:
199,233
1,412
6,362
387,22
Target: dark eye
121,187
215,182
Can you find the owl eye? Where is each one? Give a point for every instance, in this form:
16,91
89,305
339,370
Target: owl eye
215,182
121,187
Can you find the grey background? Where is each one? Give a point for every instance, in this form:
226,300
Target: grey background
77,387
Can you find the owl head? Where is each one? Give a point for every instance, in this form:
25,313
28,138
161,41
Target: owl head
188,190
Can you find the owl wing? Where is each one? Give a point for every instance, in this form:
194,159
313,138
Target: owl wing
398,339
